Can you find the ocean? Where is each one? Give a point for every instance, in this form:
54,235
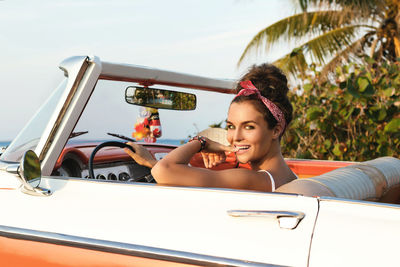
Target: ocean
4,143
176,142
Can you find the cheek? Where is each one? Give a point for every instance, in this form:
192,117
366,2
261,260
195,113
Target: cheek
255,136
229,137
262,138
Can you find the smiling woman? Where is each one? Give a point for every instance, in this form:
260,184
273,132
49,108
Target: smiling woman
257,118
196,226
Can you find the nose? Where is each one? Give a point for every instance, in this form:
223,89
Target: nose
235,135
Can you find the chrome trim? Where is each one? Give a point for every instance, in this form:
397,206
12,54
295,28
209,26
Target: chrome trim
265,213
76,74
8,164
30,175
36,191
185,188
2,149
78,92
360,202
286,219
122,248
12,168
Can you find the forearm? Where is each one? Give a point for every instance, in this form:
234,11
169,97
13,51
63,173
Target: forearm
173,169
183,154
167,170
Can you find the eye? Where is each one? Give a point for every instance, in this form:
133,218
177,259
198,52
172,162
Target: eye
230,127
249,127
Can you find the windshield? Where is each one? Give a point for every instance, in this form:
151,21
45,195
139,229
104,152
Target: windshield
107,112
30,135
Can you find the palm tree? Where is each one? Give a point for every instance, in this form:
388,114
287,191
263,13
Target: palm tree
335,31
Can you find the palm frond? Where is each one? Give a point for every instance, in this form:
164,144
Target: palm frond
333,26
292,63
342,56
296,27
329,43
320,49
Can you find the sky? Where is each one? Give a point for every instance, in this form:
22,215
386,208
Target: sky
202,37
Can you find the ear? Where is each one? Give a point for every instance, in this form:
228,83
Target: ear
276,131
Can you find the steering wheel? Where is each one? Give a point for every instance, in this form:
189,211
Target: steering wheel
147,171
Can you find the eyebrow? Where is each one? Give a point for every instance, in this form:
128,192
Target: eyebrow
244,122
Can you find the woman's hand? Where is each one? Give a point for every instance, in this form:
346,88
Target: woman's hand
213,159
214,153
141,155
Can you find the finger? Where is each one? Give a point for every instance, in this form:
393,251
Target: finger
229,148
129,152
211,160
133,145
205,159
216,159
223,157
130,144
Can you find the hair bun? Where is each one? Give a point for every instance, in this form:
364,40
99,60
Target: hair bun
272,84
269,80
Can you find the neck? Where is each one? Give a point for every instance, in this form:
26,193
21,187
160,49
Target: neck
273,156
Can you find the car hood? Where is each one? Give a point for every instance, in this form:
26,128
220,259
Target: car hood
8,180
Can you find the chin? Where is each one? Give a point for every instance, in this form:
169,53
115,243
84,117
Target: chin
242,160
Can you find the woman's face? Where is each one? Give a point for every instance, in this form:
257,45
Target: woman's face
249,132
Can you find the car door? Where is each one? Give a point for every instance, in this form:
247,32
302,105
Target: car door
238,225
356,233
246,226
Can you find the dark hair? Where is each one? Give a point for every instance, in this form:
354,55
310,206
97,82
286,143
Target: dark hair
272,84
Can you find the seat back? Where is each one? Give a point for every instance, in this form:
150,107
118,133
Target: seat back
369,180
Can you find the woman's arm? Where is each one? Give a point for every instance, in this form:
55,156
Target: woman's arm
173,169
143,157
184,153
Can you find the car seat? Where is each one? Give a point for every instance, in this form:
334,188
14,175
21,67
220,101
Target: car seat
375,180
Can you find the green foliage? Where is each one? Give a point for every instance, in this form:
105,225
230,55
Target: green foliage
331,32
356,117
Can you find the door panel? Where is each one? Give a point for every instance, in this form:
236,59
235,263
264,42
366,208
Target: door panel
195,220
355,233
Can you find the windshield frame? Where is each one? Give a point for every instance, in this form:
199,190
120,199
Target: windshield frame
81,74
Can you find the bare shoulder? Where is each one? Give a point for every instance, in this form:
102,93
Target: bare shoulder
245,179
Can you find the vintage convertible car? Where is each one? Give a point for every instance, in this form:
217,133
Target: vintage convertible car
67,201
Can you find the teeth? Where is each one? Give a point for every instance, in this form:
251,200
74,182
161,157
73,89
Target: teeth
242,147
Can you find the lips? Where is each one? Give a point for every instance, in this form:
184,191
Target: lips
242,149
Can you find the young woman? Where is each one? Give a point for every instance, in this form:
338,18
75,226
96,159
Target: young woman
257,119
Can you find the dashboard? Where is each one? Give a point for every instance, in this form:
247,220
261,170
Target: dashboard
110,163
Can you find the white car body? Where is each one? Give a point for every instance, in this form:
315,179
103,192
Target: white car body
178,225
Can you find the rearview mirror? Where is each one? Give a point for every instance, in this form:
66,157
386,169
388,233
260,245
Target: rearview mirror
159,98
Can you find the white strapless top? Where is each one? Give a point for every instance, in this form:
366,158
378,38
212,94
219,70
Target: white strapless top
271,178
